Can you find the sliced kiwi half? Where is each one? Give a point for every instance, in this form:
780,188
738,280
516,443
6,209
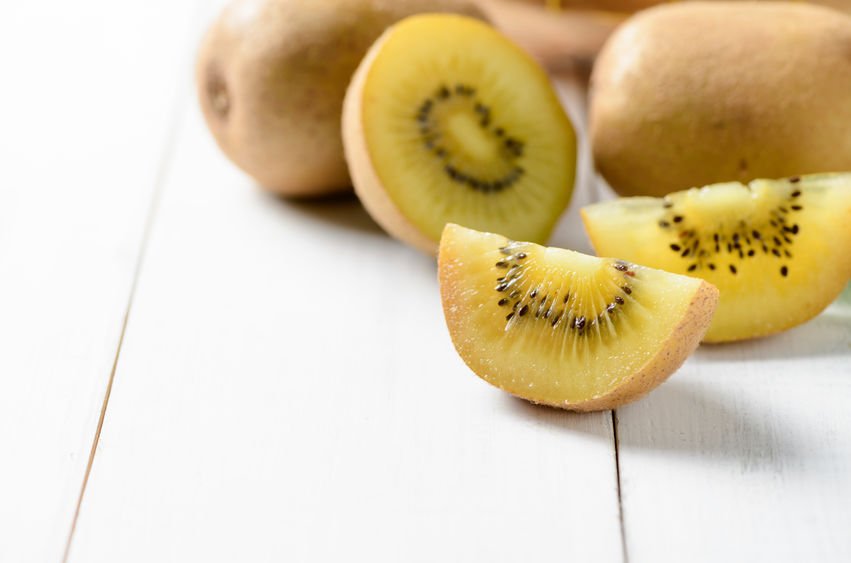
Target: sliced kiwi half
779,251
446,120
562,328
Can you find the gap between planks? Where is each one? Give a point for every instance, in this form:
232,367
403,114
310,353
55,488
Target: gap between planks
624,551
178,111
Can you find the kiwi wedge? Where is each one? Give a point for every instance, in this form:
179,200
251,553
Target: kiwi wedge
779,251
562,328
446,120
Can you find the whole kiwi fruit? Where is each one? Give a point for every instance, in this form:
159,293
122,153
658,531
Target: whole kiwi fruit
271,77
697,93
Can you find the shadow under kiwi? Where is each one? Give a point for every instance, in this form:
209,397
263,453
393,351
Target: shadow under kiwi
696,419
564,420
829,334
683,419
342,210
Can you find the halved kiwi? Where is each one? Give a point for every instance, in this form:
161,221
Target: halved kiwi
564,329
778,250
445,121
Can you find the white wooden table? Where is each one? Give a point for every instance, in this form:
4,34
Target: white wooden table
191,370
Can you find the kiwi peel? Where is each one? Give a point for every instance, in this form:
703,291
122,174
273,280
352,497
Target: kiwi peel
779,251
271,77
694,93
446,121
565,329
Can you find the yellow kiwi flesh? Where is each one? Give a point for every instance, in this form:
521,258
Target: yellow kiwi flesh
778,251
565,329
445,121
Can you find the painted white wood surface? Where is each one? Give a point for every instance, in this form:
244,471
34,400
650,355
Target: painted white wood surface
86,100
745,454
261,413
287,390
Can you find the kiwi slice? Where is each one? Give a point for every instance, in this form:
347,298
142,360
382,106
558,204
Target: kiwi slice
445,121
562,328
778,250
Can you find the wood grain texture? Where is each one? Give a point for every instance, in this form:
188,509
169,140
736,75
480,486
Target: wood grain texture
87,98
745,455
288,391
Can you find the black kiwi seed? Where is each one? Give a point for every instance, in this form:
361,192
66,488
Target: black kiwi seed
501,264
523,310
711,266
626,289
520,255
509,316
677,218
620,266
430,134
732,269
579,322
619,300
796,193
675,247
502,302
784,271
795,179
797,207
534,293
692,268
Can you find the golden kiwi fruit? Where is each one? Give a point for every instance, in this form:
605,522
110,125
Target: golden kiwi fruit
448,121
696,93
779,251
561,328
271,77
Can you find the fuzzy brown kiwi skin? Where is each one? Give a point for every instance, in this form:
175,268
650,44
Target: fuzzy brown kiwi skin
368,187
683,340
769,98
271,76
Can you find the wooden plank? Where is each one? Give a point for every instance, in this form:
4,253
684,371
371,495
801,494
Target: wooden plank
745,455
88,97
288,391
